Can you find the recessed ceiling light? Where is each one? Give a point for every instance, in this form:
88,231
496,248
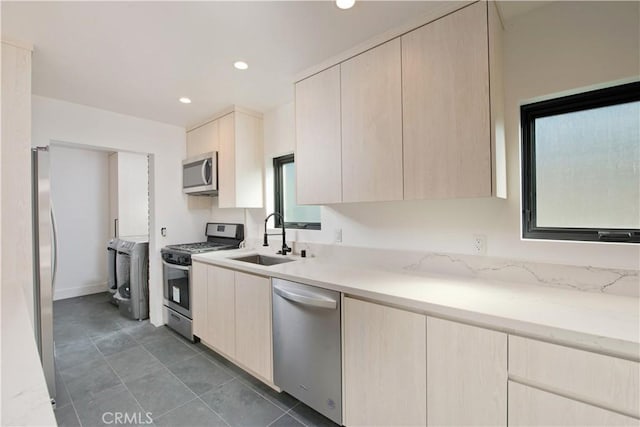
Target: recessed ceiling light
241,65
345,4
185,100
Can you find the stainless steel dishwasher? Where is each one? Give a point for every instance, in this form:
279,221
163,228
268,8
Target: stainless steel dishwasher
307,361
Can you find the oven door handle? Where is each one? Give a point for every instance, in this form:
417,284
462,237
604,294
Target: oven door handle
176,266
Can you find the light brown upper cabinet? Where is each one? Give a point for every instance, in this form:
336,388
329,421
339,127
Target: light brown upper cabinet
371,95
240,161
318,138
451,99
203,139
236,134
417,117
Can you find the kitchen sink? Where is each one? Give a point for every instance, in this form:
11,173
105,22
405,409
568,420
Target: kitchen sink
263,259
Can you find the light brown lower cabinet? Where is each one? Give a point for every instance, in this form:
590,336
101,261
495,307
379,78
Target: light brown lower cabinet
253,324
232,315
584,375
402,368
529,406
199,299
466,375
221,310
384,365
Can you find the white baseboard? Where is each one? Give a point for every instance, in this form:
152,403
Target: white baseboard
64,293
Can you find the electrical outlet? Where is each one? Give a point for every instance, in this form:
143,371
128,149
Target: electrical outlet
337,236
479,244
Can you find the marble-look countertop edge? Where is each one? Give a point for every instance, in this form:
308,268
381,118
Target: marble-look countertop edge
25,397
600,339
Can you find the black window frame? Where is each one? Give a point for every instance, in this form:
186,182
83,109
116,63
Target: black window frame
614,95
278,163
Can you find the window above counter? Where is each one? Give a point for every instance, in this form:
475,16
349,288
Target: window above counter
581,166
295,216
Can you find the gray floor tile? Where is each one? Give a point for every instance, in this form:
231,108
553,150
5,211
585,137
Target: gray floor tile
68,332
115,343
99,298
62,395
89,379
98,326
192,414
282,400
81,309
200,374
220,360
309,417
103,411
168,349
94,385
67,306
143,331
75,353
66,417
239,405
286,421
65,314
134,363
192,345
160,392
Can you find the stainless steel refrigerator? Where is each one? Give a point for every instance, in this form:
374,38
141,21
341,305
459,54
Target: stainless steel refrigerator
44,262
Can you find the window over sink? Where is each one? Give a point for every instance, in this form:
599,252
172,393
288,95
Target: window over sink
581,166
295,216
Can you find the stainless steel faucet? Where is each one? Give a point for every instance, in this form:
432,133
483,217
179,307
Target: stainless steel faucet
285,249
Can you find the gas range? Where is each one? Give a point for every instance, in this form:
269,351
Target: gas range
199,247
176,260
219,237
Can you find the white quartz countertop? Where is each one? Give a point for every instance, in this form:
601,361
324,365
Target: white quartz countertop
25,397
605,323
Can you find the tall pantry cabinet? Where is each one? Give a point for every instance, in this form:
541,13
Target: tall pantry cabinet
128,194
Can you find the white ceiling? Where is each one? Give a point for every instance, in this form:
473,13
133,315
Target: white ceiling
138,58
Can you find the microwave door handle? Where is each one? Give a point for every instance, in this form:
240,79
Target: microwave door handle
206,180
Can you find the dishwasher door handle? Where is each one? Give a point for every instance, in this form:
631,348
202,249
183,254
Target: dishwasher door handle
321,302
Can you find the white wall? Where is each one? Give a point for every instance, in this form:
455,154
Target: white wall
80,196
55,120
559,47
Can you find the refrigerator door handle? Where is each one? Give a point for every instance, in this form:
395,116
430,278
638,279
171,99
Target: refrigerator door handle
54,252
44,256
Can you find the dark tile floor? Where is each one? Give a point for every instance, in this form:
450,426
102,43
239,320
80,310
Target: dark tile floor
109,367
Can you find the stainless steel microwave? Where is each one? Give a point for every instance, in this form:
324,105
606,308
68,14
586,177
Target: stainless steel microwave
200,175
